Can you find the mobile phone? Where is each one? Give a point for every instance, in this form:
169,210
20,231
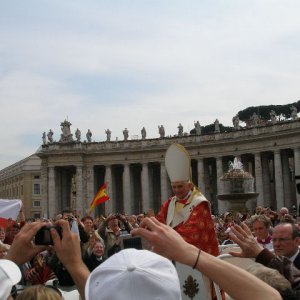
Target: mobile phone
43,236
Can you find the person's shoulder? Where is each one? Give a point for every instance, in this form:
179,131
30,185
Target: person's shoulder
203,204
167,201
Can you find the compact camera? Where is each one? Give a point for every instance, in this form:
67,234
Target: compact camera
128,241
43,236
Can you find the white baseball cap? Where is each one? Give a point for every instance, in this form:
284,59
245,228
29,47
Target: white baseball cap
178,163
135,275
10,275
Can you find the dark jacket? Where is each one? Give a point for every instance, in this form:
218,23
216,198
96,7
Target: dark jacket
283,265
60,271
91,261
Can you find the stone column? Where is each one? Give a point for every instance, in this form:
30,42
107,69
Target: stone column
44,189
163,182
278,179
79,190
109,187
266,181
145,187
259,179
127,189
222,205
200,171
53,205
286,180
297,175
90,190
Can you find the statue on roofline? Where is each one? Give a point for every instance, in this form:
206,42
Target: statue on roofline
180,130
89,136
236,122
108,135
44,138
78,135
143,132
161,131
50,136
217,126
273,116
197,128
294,113
125,134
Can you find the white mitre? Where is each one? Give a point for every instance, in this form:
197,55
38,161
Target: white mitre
178,163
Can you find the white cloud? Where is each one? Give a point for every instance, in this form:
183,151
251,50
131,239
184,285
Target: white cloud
140,63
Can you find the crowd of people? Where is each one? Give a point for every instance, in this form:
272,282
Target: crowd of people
274,234
87,253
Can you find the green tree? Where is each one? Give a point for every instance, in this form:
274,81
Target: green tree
264,111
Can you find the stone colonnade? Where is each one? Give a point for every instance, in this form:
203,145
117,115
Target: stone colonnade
135,187
137,178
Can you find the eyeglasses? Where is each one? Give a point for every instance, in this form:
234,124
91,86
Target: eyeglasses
281,240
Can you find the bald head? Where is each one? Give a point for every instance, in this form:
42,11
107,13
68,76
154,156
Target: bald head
283,211
285,239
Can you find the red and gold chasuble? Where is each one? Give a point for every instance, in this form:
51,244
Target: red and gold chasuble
193,221
197,228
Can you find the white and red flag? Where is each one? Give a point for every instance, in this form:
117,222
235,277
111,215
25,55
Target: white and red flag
9,209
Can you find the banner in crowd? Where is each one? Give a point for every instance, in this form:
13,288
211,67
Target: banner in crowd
9,209
100,197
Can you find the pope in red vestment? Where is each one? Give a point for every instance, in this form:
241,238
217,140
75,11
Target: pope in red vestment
191,219
188,211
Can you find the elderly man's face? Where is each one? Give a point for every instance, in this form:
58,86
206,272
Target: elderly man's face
260,230
88,224
98,249
283,211
283,242
113,225
258,210
3,251
181,188
2,234
132,219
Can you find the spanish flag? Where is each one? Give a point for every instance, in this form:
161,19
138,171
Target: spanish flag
100,197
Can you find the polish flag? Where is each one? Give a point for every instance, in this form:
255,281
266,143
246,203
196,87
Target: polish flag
9,209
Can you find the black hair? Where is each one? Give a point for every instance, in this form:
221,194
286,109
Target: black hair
67,210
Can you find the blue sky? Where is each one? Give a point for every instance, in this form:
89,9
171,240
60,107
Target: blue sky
117,64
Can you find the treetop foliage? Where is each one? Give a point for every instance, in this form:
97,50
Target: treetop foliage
263,111
284,111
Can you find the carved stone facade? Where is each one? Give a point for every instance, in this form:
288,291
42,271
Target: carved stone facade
137,178
22,180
